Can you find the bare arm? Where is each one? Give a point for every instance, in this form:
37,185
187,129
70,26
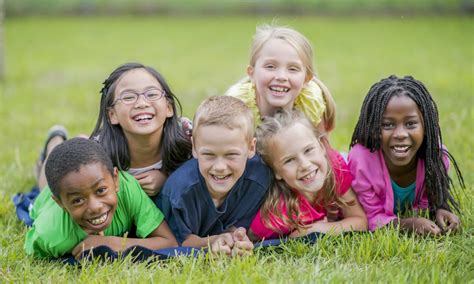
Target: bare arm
161,237
354,219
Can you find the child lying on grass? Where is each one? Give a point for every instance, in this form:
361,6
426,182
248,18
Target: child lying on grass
90,203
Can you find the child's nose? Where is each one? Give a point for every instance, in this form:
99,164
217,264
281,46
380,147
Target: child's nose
304,163
281,75
219,165
141,100
95,205
400,132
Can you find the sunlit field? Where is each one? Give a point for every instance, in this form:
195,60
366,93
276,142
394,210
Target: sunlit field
55,68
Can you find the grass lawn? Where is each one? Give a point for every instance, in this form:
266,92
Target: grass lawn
55,67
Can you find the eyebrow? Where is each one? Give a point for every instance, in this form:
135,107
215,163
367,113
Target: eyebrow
409,116
75,192
145,89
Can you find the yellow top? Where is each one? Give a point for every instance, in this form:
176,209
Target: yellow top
310,100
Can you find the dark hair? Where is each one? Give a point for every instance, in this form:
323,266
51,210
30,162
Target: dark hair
368,129
69,156
175,144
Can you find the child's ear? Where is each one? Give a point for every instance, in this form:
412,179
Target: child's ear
194,147
169,111
116,179
277,176
58,201
250,70
252,148
112,116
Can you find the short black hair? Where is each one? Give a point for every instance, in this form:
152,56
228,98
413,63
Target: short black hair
69,156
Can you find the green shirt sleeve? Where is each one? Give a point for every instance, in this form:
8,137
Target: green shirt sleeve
145,215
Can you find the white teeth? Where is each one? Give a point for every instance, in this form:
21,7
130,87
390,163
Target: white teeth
143,116
99,220
400,148
279,89
309,176
220,177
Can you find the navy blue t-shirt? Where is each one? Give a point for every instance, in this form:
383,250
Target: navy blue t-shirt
188,207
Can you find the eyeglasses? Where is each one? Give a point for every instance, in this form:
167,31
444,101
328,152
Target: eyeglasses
150,95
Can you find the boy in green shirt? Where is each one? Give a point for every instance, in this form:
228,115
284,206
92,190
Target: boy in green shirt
90,203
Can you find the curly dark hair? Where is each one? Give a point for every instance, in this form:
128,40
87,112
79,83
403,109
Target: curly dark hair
69,156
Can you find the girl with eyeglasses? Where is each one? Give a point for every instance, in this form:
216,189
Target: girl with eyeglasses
139,126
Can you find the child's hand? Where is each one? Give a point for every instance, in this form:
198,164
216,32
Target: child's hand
447,221
223,243
320,226
242,244
151,181
421,226
115,243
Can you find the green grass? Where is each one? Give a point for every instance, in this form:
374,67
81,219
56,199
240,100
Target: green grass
55,67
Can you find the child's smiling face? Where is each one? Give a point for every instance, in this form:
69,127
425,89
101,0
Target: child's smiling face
279,75
222,155
299,159
90,196
142,117
402,133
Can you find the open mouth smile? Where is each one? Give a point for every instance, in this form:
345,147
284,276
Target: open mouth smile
309,177
220,178
98,220
143,117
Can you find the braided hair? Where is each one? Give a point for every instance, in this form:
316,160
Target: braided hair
367,132
175,144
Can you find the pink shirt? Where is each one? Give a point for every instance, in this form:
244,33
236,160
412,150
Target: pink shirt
373,186
309,213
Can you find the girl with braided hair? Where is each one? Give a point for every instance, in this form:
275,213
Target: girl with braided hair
398,160
139,126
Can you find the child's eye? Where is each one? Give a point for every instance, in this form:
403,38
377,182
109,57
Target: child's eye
387,125
294,69
129,97
270,66
287,161
77,201
412,124
232,155
309,150
101,190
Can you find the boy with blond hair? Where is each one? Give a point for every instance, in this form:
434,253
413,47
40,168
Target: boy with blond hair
211,200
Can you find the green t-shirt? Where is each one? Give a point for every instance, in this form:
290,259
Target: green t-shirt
54,233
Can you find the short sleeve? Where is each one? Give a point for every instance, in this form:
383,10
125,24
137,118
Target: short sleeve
146,216
259,229
342,173
262,231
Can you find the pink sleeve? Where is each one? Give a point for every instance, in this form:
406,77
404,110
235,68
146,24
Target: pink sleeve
369,186
260,230
342,173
